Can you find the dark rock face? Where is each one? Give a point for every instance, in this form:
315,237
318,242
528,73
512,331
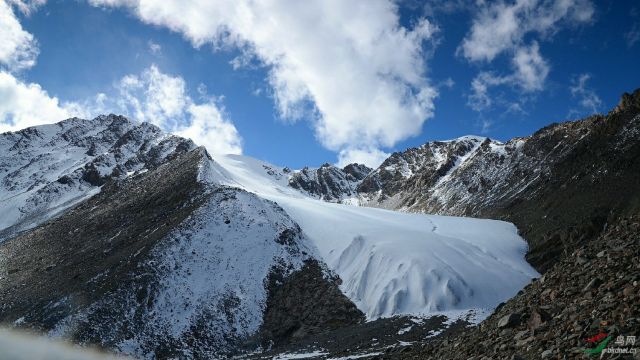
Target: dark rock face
417,169
328,182
95,247
305,303
561,310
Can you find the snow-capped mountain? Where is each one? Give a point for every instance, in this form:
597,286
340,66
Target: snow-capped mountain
45,169
144,244
559,185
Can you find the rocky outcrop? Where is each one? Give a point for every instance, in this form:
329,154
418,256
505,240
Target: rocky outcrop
416,170
594,290
305,303
329,182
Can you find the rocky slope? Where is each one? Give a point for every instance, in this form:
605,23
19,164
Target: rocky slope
593,290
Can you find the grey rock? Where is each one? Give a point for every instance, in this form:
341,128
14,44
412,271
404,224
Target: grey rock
510,320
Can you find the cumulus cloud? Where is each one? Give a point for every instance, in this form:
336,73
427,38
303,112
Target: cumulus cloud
18,48
347,66
371,157
501,28
27,104
151,96
162,99
589,102
531,69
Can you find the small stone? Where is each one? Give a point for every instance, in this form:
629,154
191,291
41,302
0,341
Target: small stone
524,342
601,253
521,335
594,283
628,291
547,354
510,320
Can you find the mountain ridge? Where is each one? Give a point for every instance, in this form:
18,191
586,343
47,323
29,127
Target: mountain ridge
522,180
144,244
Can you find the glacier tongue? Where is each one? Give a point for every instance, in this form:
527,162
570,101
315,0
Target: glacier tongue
397,263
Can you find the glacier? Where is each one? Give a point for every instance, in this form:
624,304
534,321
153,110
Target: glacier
395,263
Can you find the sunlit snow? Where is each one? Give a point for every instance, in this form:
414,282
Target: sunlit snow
392,262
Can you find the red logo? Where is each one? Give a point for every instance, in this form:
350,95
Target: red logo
596,338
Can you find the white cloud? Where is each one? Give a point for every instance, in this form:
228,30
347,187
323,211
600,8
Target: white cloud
18,48
348,66
531,69
448,83
501,28
27,104
155,49
371,157
162,100
480,98
27,6
208,127
589,101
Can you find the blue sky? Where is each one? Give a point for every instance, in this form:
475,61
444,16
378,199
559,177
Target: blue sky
423,71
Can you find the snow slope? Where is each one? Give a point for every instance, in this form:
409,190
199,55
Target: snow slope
216,266
396,263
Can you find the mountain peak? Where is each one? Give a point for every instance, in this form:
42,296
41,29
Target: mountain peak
629,101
